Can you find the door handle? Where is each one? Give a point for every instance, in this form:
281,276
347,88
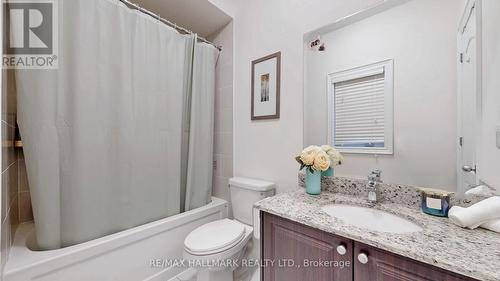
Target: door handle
469,169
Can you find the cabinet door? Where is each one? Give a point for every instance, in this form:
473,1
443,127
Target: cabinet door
294,252
384,266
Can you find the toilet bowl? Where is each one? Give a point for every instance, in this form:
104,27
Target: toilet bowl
215,249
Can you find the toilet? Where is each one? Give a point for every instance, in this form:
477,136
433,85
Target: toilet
215,248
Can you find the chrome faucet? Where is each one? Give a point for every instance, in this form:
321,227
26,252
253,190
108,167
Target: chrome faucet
374,178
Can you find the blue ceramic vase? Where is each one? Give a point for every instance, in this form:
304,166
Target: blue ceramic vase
328,173
313,182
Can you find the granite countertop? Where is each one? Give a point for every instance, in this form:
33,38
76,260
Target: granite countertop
473,253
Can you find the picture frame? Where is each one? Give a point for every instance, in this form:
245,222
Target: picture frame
266,82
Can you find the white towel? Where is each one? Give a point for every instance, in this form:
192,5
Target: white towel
481,190
477,214
493,225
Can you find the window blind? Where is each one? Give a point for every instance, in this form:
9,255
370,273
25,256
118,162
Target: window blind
359,112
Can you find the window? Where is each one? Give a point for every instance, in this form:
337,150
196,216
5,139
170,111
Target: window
360,107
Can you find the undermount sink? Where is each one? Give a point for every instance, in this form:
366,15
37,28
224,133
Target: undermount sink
371,219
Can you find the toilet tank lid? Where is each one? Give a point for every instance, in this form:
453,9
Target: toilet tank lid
252,184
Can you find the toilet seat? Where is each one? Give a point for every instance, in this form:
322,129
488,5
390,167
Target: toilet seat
214,237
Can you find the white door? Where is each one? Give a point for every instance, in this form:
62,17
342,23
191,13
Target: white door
468,98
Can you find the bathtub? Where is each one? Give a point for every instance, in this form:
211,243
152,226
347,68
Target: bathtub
130,255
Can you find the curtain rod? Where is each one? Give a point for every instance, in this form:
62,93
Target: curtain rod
167,22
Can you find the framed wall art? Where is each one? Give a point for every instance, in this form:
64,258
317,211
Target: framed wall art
266,76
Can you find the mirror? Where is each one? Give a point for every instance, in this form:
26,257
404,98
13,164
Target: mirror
409,87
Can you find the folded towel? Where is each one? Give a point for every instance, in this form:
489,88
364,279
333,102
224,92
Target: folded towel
493,225
477,214
481,190
452,214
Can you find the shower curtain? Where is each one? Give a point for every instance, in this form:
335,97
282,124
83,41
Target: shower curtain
122,133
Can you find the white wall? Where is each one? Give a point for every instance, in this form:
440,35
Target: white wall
265,149
489,159
420,36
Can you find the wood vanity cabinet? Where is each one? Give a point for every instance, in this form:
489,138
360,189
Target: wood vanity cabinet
286,244
385,266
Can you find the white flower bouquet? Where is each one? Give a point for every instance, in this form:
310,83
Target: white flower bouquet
319,158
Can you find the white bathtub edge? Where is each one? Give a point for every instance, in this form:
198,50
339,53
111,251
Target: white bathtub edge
40,262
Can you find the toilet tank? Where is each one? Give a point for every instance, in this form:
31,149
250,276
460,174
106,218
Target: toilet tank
244,193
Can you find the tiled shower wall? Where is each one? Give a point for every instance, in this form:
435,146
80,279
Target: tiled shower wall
23,190
16,203
223,142
9,164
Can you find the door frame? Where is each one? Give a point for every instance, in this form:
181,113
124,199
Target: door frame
477,6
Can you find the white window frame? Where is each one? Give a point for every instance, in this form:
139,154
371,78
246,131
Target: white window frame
360,72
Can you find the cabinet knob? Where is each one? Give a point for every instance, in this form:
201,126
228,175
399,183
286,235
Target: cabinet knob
363,258
341,249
